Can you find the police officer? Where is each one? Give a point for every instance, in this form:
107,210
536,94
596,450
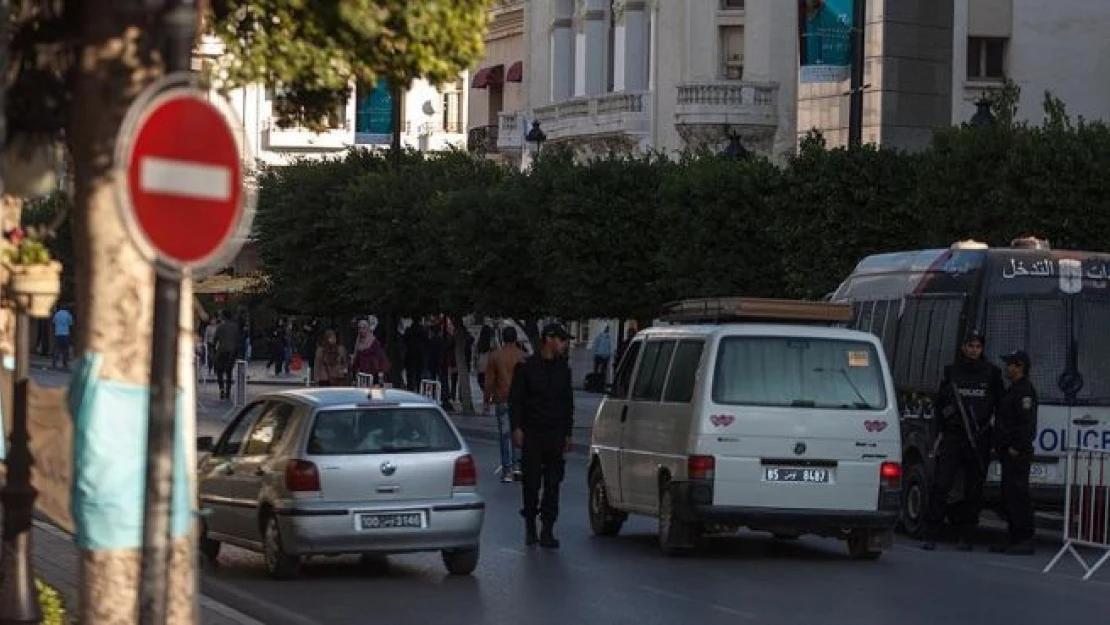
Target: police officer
541,409
966,401
1015,428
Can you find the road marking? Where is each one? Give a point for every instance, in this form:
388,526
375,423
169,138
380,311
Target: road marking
515,552
185,179
715,606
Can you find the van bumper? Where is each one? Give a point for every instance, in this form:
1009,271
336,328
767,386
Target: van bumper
795,519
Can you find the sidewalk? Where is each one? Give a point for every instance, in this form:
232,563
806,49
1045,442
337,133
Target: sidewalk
56,561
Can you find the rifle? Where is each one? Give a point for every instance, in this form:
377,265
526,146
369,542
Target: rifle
970,428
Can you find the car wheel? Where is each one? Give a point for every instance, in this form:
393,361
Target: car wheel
604,520
676,537
915,499
279,564
461,561
209,548
859,547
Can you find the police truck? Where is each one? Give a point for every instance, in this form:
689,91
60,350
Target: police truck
1054,304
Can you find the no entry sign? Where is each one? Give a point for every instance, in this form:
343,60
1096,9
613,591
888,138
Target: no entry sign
181,179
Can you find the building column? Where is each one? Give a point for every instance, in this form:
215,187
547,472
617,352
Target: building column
563,55
596,34
631,48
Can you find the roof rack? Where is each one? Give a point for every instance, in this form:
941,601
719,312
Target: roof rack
714,310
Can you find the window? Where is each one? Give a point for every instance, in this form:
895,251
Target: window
798,372
374,109
684,371
381,431
268,430
986,58
928,337
732,52
233,437
732,5
452,108
623,378
653,371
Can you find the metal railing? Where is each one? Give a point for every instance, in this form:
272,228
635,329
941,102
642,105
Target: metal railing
482,139
1086,509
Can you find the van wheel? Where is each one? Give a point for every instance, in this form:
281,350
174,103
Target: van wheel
676,537
915,499
604,519
859,548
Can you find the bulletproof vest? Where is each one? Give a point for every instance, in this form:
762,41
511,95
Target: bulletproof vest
973,383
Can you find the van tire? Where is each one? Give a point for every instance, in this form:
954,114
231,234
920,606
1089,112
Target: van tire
676,537
858,547
915,500
604,519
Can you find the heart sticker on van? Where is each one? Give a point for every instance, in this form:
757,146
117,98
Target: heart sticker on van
722,420
874,426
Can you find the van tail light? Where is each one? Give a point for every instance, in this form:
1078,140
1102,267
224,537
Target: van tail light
701,467
890,473
466,473
301,476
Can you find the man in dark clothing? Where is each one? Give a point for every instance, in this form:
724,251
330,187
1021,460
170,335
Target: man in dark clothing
1015,429
971,390
228,343
541,410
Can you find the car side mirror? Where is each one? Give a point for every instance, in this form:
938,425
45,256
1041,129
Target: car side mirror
205,443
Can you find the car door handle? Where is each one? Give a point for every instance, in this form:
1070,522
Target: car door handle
624,414
1087,422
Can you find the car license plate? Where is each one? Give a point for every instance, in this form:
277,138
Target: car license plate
1038,472
391,520
788,474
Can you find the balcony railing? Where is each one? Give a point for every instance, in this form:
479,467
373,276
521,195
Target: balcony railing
482,140
611,113
728,102
336,138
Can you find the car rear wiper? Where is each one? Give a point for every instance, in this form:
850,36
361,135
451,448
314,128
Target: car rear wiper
862,404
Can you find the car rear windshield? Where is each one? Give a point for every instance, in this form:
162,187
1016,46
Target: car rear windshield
799,372
381,431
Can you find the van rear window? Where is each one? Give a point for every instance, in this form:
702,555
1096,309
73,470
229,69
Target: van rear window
799,372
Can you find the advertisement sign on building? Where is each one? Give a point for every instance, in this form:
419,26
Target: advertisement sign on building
825,29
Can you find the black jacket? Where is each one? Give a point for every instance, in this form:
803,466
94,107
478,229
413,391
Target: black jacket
541,399
979,385
1016,425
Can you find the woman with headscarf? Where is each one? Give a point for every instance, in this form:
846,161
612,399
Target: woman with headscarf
370,357
330,364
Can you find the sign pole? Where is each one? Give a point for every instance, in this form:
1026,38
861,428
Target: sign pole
855,100
178,29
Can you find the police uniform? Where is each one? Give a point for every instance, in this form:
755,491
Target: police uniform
1015,429
977,385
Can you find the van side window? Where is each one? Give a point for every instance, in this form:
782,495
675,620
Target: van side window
623,378
653,371
879,317
684,371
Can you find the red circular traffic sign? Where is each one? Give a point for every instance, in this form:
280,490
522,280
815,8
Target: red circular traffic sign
183,195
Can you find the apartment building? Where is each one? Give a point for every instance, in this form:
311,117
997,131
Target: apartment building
496,91
619,76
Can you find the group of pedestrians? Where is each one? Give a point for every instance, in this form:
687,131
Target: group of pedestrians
978,417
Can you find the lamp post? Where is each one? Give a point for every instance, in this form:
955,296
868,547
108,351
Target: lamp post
983,116
735,150
536,135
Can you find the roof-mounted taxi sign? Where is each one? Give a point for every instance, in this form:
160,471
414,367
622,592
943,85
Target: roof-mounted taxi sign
755,310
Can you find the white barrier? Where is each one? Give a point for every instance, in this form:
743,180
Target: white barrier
239,386
1086,508
364,380
431,389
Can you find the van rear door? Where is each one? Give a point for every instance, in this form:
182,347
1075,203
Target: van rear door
799,422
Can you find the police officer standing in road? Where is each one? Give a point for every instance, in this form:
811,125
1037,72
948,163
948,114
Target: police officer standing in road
541,409
1015,429
966,401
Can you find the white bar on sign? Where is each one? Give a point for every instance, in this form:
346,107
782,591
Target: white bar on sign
185,179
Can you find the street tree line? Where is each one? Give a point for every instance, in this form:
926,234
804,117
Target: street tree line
617,237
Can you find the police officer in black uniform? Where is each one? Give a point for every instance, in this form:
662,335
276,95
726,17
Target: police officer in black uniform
966,401
1015,429
541,409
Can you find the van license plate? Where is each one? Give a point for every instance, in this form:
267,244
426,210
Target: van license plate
393,520
785,474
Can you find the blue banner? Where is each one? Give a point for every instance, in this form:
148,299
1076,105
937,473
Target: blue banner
825,33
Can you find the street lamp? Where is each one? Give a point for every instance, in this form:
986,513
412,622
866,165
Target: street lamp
735,150
535,135
983,116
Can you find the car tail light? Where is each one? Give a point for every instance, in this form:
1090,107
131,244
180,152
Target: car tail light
466,473
700,467
301,476
891,474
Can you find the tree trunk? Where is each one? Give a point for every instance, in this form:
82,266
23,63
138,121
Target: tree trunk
115,287
462,365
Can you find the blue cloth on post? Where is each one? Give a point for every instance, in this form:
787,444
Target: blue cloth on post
109,460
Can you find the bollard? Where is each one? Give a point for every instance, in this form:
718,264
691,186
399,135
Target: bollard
239,394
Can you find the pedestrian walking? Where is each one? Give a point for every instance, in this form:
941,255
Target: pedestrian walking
330,363
541,409
229,341
966,402
603,353
1015,429
370,358
498,378
63,324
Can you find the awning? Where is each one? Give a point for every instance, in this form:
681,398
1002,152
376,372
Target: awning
494,75
516,72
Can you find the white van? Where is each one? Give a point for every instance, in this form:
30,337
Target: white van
771,422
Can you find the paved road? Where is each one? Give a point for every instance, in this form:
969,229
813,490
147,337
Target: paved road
751,578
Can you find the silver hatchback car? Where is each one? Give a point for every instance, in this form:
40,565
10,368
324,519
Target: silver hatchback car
340,471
